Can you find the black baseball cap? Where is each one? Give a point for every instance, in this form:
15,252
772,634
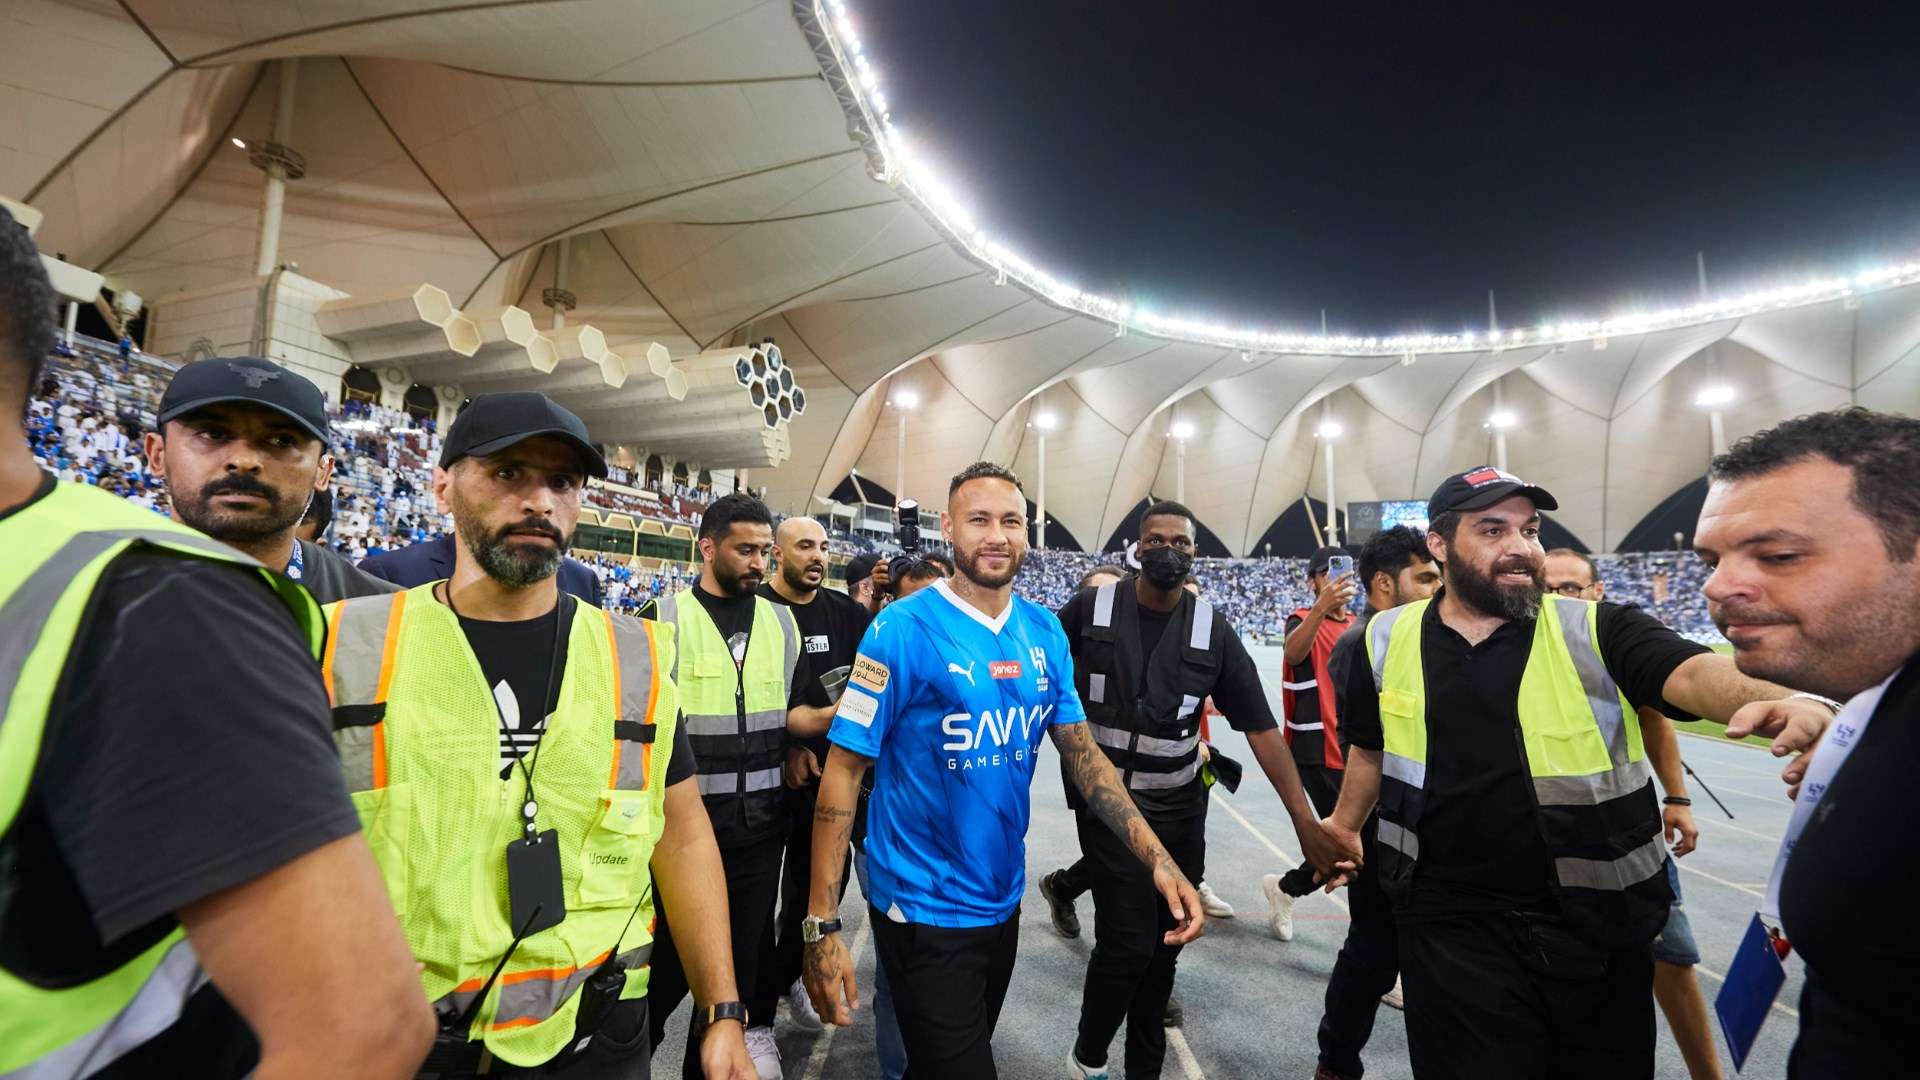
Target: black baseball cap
860,568
249,379
1318,563
1477,489
492,422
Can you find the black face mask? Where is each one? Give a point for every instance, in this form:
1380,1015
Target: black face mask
1165,567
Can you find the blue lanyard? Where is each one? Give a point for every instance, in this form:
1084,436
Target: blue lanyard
297,564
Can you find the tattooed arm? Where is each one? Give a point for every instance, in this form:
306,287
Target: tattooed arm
828,969
1093,774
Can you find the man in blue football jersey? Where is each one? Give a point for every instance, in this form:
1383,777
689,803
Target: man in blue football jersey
950,694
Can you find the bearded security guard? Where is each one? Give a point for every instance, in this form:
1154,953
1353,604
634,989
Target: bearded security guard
1519,836
516,757
1146,655
735,671
146,673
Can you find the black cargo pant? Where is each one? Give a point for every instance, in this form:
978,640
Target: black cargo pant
1130,974
781,953
753,882
1368,963
948,985
1519,996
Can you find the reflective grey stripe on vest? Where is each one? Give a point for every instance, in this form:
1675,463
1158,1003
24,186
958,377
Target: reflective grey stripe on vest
1378,632
728,724
1617,782
1404,769
154,1008
1158,781
1401,840
1188,703
1602,693
26,612
537,999
790,638
358,646
728,783
1096,688
633,651
1103,605
1202,626
666,609
1147,744
1613,875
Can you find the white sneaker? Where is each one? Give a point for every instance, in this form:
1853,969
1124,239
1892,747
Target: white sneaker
765,1053
1077,1071
1213,903
1395,998
800,1011
1280,921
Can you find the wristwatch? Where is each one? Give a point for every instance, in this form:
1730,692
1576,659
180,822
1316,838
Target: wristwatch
813,928
724,1010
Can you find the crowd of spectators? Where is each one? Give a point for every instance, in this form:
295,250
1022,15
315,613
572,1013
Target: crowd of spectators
86,422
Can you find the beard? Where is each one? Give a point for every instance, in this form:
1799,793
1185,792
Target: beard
240,526
796,577
968,563
1481,592
737,582
514,565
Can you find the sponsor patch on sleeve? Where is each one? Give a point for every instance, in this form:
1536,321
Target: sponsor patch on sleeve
857,707
870,673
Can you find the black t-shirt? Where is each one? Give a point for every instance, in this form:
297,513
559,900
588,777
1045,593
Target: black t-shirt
1847,896
192,752
830,629
522,655
1237,693
1480,844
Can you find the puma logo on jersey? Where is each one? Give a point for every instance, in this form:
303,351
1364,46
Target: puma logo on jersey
956,669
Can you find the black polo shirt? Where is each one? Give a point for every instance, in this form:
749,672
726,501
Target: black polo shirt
1480,845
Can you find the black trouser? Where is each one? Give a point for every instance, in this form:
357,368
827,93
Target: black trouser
1130,974
1512,995
753,882
1368,963
1323,791
947,985
1070,883
780,953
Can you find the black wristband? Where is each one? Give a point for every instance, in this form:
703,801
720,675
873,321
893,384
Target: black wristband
724,1010
1677,800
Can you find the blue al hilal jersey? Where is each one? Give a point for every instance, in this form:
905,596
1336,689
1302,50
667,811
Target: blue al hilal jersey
952,705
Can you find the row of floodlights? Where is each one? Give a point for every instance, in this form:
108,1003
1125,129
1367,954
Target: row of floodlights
908,170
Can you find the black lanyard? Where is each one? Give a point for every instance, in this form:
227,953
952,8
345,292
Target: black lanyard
563,620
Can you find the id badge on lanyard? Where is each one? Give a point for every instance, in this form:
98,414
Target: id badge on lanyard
1759,966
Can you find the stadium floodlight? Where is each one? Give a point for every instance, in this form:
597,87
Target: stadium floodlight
1331,429
1714,397
1181,430
1046,421
239,142
905,400
922,184
1501,420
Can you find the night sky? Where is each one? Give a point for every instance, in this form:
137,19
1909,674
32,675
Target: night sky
1257,162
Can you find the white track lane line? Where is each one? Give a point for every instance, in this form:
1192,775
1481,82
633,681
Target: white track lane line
1182,1053
1291,862
1717,880
817,1060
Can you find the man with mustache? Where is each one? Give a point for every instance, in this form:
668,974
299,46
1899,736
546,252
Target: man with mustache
242,445
1519,835
1812,529
738,655
518,763
952,691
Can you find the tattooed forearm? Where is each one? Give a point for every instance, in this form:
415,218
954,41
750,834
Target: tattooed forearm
1099,784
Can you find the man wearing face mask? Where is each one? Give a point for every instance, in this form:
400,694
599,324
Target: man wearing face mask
1149,654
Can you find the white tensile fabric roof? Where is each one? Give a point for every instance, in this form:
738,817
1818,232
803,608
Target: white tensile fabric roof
703,167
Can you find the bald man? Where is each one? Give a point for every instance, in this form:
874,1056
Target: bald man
830,627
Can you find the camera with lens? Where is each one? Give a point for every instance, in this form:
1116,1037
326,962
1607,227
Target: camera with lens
906,532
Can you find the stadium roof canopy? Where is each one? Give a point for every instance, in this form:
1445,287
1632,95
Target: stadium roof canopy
714,164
